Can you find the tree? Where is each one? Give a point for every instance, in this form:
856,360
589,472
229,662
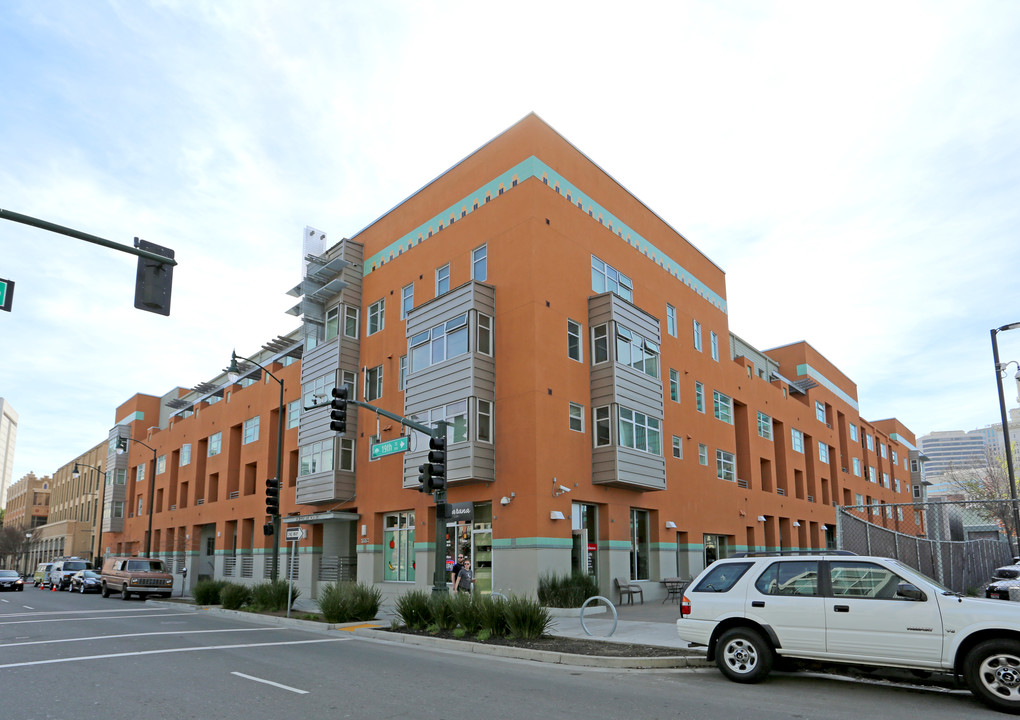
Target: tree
13,545
987,482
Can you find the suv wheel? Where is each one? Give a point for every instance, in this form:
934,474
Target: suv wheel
992,670
105,591
743,655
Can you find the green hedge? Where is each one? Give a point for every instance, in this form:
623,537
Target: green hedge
482,616
341,602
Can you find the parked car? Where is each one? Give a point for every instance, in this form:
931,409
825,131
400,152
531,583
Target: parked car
86,581
1002,580
864,610
136,576
42,574
11,580
63,569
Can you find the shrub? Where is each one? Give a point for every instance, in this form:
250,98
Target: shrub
467,612
526,618
567,591
234,596
207,592
348,601
492,617
271,596
441,611
412,609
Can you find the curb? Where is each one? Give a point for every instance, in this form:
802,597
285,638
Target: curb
371,632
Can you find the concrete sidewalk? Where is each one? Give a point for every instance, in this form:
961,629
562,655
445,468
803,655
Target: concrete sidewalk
642,624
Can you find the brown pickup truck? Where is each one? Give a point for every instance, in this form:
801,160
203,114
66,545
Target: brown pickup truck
136,576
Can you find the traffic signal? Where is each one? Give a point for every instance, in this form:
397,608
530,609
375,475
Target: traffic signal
425,478
153,280
338,415
272,496
437,462
267,529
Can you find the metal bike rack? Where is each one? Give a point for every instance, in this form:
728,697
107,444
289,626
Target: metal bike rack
609,604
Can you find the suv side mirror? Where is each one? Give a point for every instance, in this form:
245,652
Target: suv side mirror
910,592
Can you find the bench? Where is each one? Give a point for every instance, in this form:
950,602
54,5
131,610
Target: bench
626,587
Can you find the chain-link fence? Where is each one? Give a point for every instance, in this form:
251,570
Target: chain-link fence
959,543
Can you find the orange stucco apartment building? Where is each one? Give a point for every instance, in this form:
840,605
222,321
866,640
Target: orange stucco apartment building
601,415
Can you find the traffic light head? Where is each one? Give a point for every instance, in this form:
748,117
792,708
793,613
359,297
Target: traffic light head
272,496
338,415
425,478
437,462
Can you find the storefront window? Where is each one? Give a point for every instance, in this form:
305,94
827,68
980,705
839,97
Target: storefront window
398,546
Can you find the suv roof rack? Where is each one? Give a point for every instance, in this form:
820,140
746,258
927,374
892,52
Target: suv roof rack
790,553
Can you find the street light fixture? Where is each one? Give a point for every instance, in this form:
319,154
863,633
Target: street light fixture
28,553
121,449
99,498
233,374
1000,373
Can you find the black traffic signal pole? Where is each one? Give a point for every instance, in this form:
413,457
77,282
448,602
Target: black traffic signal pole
438,495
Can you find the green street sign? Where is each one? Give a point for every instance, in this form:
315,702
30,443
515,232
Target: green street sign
6,294
390,447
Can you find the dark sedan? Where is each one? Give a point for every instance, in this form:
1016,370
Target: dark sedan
86,581
1003,579
11,580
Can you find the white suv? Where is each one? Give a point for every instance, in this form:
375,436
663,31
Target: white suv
850,609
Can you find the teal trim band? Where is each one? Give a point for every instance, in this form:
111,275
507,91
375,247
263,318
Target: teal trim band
805,369
902,441
615,545
533,543
535,168
664,547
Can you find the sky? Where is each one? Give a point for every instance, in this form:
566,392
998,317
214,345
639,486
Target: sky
854,168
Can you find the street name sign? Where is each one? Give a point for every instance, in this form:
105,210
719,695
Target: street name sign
389,447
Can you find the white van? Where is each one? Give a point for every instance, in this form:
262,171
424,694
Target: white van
63,569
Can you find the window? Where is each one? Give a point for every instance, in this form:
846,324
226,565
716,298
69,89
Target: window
479,264
440,343
636,352
764,426
857,466
725,466
215,444
574,340
671,320
881,449
120,477
315,391
316,457
674,385
140,498
455,414
402,377
118,508
870,441
915,466
702,454
862,580
697,336
484,421
797,440
406,300
797,577
860,499
484,337
895,458
823,452
872,474
678,448
251,430
639,546
715,345
723,406
443,280
349,378
332,322
293,414
185,458
352,320
607,278
600,344
576,417
699,396
723,577
398,544
376,317
820,411
853,432
347,454
639,431
373,383
602,427
896,485
161,464
140,473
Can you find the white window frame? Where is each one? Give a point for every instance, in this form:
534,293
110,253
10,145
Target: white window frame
484,429
725,465
645,431
346,460
703,454
674,385
480,263
215,444
699,396
823,452
575,417
316,457
670,320
575,345
820,410
443,280
697,335
856,465
796,440
161,464
332,327
352,321
714,339
765,426
376,317
853,433
483,334
185,456
406,300
294,409
602,424
373,383
678,447
433,346
250,433
722,407
600,352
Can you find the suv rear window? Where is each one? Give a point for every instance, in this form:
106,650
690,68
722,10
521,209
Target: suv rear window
722,577
75,566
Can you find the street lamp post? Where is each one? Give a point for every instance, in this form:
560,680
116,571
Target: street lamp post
121,447
999,374
233,373
99,501
28,553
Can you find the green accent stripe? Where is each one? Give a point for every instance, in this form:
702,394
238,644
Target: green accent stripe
806,370
535,168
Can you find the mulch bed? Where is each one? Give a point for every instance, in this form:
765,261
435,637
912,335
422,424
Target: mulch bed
552,643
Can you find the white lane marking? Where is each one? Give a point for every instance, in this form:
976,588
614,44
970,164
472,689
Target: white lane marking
167,651
28,607
270,682
81,620
148,634
78,612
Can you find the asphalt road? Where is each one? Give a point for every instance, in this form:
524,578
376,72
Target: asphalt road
71,657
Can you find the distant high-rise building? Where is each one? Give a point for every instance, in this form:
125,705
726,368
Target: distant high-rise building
951,450
8,434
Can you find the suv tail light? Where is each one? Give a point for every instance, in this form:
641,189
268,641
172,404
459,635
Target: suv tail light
685,606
